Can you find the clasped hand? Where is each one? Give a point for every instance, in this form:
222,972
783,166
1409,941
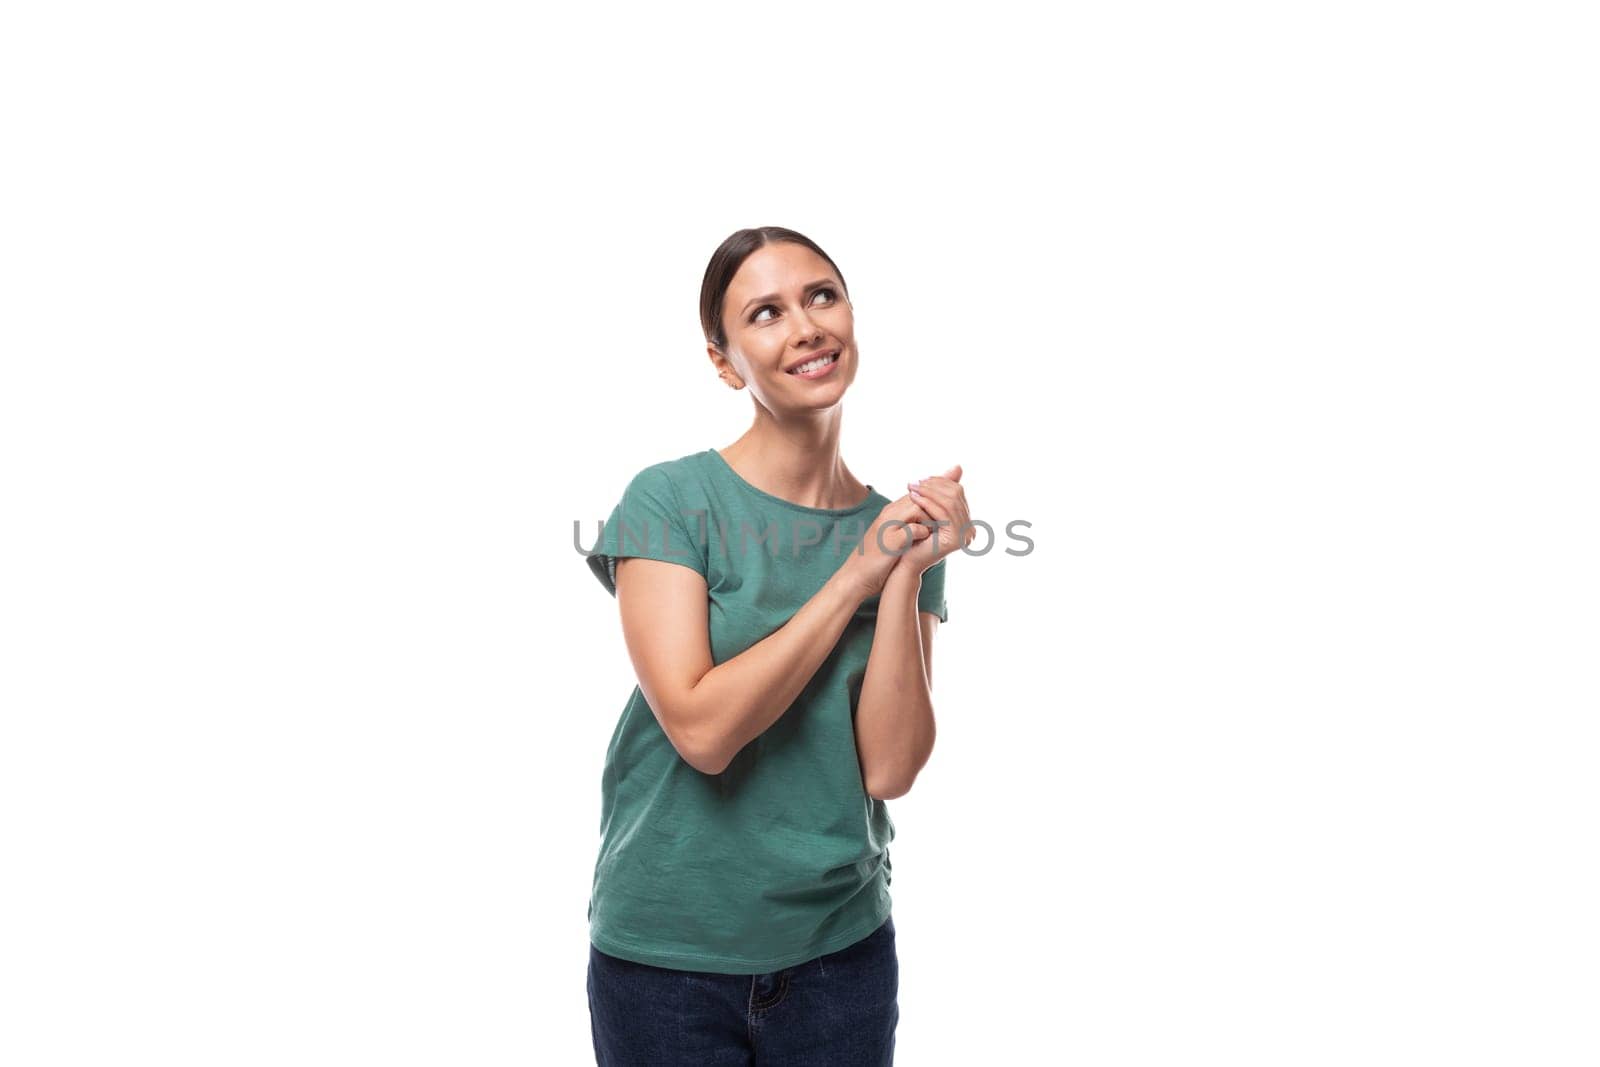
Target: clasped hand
918,530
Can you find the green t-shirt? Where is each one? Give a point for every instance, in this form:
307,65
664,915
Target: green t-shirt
783,856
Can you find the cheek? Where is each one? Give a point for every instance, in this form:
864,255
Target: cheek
760,347
771,350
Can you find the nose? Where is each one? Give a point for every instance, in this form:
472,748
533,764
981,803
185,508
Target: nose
804,329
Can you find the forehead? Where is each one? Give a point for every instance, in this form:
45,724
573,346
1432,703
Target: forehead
776,268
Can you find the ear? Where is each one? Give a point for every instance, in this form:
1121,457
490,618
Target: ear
724,368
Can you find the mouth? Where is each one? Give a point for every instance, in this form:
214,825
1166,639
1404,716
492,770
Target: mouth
816,366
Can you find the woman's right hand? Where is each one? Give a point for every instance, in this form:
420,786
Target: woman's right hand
885,542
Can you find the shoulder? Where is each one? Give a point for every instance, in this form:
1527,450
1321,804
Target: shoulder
680,487
676,474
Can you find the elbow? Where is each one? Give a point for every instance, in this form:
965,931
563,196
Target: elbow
706,763
888,788
702,753
695,744
890,783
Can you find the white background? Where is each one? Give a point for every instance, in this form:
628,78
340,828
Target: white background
322,323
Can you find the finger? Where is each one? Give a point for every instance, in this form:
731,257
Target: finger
930,494
912,516
912,533
909,505
940,481
911,512
950,494
919,533
939,488
905,509
939,512
949,507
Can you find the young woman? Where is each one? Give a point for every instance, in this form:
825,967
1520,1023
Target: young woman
779,614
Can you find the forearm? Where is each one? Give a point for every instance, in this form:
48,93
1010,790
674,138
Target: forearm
734,702
894,719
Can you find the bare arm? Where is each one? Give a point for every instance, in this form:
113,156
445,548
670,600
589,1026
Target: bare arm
709,712
894,719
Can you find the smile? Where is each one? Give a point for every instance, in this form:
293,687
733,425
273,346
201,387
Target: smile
816,368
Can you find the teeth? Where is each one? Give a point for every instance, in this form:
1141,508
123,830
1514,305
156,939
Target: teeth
820,361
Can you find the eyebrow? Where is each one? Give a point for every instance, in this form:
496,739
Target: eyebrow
829,282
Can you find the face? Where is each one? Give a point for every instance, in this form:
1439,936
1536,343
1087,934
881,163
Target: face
784,308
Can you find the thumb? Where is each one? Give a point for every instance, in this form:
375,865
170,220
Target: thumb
954,473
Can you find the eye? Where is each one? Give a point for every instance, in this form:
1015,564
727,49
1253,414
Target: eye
832,296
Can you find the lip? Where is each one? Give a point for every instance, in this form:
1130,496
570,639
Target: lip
812,356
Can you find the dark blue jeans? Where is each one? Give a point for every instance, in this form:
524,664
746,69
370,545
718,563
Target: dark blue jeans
837,1010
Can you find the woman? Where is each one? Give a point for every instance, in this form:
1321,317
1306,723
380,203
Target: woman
779,615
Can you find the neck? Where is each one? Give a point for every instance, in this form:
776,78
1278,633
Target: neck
797,460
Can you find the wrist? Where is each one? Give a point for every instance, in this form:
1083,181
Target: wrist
906,576
853,583
916,560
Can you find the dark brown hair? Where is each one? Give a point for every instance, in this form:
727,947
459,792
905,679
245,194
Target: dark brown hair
725,263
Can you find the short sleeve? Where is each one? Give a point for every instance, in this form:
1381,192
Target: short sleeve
931,596
647,523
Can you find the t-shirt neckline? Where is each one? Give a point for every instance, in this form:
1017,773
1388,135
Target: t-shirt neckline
727,468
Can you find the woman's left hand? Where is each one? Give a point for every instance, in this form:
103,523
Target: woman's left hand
945,500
